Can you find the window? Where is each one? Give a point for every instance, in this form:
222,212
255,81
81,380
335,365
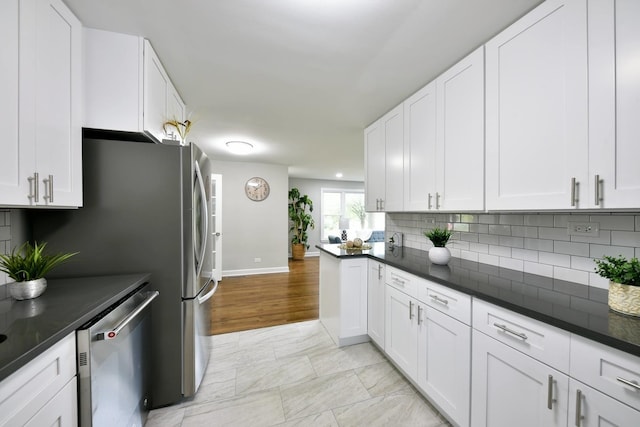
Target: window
344,209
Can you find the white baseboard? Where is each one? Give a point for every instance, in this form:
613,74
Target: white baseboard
310,254
253,271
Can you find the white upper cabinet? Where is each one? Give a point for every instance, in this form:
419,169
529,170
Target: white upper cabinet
41,162
374,184
420,149
383,148
536,110
614,102
126,86
460,135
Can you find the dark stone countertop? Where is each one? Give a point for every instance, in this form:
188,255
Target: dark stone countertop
32,326
574,307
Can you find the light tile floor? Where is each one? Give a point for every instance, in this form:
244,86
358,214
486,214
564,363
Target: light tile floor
294,375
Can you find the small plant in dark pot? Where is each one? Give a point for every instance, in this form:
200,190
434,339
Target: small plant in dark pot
624,283
439,254
28,265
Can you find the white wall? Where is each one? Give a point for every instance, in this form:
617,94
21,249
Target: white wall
251,229
313,188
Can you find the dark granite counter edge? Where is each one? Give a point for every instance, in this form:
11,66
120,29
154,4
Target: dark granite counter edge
31,354
550,320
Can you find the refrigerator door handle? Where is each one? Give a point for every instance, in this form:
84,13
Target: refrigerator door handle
205,219
204,298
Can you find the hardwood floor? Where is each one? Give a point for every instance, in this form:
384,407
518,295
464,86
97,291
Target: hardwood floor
257,301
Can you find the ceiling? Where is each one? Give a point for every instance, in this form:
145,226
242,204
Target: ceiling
301,79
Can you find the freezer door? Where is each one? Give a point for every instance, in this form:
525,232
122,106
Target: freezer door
195,349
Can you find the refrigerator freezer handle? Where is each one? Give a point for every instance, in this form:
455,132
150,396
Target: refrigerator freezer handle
202,299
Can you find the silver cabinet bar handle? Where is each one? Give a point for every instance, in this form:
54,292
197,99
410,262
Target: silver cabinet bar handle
504,328
597,190
410,309
550,398
381,204
419,309
429,201
31,195
48,189
578,407
573,191
437,200
379,271
113,333
398,281
35,194
629,383
436,298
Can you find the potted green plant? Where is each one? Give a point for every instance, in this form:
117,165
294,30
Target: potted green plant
28,265
301,220
439,254
624,283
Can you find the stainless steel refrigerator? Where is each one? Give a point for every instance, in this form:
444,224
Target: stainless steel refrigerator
146,210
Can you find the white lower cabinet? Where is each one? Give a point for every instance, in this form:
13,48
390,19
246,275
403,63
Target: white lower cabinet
376,302
43,392
401,330
444,363
590,408
512,389
343,298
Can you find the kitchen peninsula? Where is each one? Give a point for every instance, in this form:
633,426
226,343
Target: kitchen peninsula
556,339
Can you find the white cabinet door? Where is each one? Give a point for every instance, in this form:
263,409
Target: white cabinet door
536,110
512,389
41,155
156,88
460,138
420,149
58,97
375,302
353,299
374,154
393,130
61,410
590,408
401,330
614,100
444,363
17,159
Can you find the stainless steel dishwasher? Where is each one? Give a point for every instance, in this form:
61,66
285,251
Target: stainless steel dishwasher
114,361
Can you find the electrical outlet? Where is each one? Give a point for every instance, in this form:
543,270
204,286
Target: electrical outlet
430,220
583,229
257,260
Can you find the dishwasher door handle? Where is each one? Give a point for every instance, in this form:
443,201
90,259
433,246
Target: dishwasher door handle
113,333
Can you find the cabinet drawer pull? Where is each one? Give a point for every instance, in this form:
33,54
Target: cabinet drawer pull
629,383
34,190
578,407
419,309
398,282
504,328
429,202
379,271
410,309
436,298
574,185
48,189
437,200
550,398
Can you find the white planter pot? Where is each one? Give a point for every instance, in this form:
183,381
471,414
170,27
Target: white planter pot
440,256
624,298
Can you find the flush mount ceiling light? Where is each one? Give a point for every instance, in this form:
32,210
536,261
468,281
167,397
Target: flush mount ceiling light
239,147
339,175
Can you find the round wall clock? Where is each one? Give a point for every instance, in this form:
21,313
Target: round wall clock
257,189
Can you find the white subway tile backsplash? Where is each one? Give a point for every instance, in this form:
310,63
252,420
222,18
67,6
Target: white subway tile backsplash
625,238
536,244
501,251
581,249
5,233
539,245
598,251
523,231
553,233
551,258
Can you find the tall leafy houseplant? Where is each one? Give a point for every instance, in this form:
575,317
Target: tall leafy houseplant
301,220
